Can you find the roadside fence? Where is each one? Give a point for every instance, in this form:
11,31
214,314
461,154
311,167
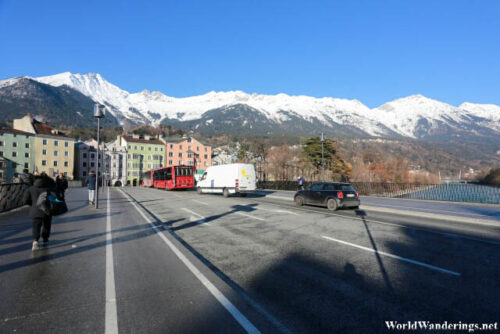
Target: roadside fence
456,192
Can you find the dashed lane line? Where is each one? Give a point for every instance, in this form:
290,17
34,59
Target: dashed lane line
418,263
237,315
200,218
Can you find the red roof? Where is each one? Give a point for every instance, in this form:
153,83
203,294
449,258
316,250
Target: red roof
44,129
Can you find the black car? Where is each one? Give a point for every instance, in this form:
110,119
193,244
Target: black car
333,195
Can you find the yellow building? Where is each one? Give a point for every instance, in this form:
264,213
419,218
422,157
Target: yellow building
54,151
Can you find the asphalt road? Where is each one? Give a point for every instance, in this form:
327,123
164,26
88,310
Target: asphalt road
178,262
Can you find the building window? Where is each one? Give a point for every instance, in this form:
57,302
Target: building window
180,147
129,147
44,162
171,146
85,155
66,144
142,148
26,155
27,145
1,154
149,166
92,164
55,153
156,149
84,174
135,147
1,143
92,155
56,143
14,144
66,164
14,154
161,149
190,155
149,148
180,162
84,164
55,163
65,174
206,163
189,148
170,162
206,149
170,154
66,153
180,155
44,152
197,148
206,156
26,165
44,142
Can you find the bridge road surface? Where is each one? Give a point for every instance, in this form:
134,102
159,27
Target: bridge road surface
285,269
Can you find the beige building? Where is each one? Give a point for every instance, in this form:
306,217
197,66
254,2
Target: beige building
54,151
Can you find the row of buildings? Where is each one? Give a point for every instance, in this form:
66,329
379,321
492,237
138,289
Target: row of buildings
35,146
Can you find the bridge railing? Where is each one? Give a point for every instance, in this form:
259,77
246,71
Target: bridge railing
456,192
11,194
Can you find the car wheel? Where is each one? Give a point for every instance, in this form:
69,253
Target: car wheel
332,205
198,190
225,192
299,200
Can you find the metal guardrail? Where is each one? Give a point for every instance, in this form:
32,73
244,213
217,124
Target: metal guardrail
11,194
456,192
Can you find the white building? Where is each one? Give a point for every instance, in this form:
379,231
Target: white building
117,156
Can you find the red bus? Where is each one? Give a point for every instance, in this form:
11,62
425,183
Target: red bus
169,178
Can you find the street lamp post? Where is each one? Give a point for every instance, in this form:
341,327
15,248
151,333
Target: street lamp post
99,113
322,157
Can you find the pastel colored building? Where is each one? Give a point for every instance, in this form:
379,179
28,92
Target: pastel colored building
86,159
143,153
16,151
53,150
187,151
117,157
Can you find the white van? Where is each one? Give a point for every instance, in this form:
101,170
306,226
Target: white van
228,179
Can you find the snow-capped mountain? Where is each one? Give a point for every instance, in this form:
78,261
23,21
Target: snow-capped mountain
415,116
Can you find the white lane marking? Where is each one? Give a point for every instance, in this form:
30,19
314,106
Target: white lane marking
280,197
237,315
279,211
249,216
111,318
195,200
418,263
202,220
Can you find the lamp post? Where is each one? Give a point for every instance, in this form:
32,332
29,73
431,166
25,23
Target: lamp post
99,113
322,157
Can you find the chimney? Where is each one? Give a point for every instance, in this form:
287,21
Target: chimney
135,136
147,137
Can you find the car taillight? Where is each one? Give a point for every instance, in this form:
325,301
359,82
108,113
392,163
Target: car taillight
340,194
357,194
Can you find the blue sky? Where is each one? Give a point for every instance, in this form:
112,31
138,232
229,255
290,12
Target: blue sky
374,51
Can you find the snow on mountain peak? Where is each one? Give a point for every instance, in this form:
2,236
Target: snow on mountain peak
401,116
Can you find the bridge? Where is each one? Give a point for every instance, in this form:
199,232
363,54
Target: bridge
177,262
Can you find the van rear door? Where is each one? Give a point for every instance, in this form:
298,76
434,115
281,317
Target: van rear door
246,178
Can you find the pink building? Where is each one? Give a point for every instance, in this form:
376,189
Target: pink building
185,151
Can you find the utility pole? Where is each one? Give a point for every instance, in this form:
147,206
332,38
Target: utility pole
322,157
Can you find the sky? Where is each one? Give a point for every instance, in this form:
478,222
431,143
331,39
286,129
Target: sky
372,51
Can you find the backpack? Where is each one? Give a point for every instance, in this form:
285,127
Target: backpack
49,203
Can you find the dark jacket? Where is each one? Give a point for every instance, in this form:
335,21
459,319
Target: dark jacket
40,185
91,181
26,178
61,184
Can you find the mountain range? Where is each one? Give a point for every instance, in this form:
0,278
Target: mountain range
412,117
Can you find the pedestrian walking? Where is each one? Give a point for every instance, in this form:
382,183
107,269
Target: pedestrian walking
300,182
41,221
91,187
61,184
26,178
